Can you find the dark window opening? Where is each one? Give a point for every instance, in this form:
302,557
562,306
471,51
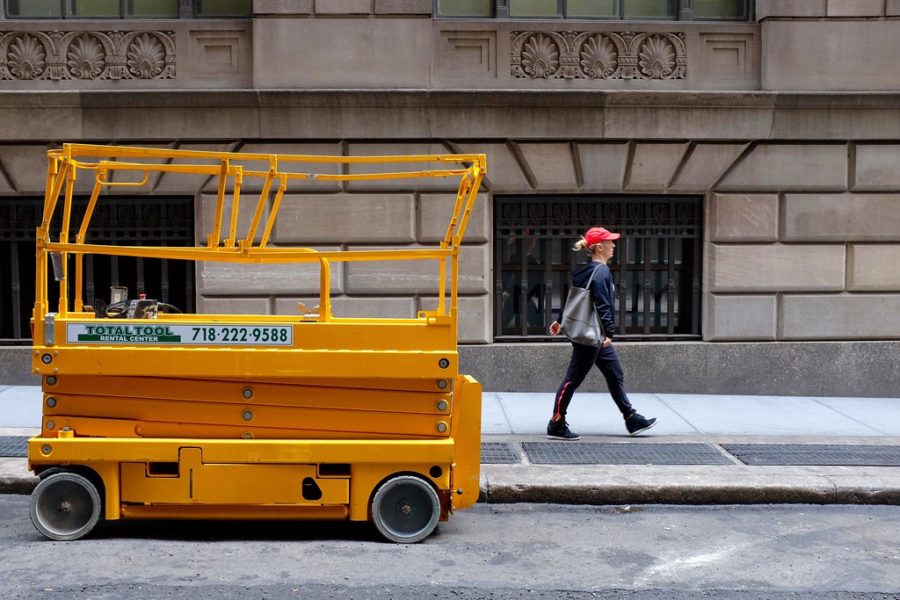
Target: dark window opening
656,267
127,9
149,221
732,10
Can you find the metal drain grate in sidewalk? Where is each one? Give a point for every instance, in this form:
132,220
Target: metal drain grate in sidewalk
14,446
619,453
497,453
820,455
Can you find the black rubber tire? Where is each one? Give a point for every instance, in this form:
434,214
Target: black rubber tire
406,509
65,506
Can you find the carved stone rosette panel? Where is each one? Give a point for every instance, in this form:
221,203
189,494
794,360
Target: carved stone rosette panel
598,55
87,55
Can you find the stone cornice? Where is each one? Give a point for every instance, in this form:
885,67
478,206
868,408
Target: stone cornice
454,114
411,97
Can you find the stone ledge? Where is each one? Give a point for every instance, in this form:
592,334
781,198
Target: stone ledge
466,98
429,115
861,368
759,368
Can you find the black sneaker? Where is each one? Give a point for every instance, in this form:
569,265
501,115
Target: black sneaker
638,424
559,430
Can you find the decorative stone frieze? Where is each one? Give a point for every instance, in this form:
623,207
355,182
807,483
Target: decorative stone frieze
87,55
596,55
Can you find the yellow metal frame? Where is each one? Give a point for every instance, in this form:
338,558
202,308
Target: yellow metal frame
65,164
382,396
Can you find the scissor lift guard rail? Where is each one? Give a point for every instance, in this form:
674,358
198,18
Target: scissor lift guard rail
151,413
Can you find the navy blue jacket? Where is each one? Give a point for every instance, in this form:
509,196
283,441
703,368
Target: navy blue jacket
602,291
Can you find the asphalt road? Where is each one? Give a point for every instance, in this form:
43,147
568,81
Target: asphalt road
796,552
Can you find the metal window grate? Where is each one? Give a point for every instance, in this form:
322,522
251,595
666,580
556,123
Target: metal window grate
496,453
622,453
815,455
167,221
656,267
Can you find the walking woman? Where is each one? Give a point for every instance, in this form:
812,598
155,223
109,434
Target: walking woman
600,245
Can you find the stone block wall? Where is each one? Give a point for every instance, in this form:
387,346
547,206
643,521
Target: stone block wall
358,44
364,215
801,191
769,9
783,264
829,44
788,225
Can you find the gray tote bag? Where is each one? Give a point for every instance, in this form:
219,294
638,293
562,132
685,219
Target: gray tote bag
580,322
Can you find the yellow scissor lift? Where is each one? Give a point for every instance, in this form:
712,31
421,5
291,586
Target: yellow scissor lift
149,414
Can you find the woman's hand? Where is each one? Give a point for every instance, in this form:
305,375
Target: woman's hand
607,342
554,328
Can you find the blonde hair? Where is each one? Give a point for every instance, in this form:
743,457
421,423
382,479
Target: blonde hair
583,245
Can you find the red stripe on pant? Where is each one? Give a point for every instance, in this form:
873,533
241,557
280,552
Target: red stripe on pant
562,392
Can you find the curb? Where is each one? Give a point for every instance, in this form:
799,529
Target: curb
15,478
17,485
643,484
599,495
639,484
612,494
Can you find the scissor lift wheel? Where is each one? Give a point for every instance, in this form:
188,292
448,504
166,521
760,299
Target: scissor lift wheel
65,506
406,509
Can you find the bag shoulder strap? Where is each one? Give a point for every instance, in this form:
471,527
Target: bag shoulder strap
591,278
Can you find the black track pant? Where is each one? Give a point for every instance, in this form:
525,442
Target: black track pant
583,358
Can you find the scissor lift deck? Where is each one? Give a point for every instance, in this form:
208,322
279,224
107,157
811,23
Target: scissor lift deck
307,416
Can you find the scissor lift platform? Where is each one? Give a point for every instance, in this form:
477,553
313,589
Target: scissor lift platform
184,416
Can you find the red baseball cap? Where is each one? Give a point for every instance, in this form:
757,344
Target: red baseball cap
595,235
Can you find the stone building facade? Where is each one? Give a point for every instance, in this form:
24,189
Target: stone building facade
786,125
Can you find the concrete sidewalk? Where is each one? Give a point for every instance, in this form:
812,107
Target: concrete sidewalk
711,425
